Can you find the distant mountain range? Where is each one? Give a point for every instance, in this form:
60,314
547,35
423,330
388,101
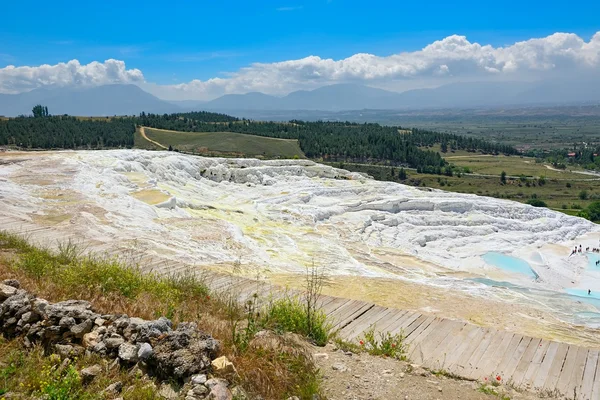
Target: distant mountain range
130,99
105,100
456,95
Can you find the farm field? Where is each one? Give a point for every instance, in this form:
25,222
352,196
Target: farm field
524,133
568,193
486,164
221,144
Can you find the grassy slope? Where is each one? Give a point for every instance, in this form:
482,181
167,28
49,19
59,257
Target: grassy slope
115,287
226,143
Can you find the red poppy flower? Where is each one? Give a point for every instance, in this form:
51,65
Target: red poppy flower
362,343
498,378
393,345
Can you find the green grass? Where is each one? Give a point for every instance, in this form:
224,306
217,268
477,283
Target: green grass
223,143
289,314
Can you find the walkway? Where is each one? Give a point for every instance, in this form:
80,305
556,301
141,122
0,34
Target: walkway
457,347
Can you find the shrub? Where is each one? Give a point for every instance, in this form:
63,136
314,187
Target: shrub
537,203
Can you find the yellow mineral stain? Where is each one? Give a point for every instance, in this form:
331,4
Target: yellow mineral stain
151,196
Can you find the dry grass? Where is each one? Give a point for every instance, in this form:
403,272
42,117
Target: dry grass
273,372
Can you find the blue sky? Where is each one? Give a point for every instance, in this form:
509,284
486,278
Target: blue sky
177,41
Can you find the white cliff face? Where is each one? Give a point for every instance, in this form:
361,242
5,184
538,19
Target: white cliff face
281,216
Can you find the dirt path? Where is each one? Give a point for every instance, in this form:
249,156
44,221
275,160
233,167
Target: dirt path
143,133
350,376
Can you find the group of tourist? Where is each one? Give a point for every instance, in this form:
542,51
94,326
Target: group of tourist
579,249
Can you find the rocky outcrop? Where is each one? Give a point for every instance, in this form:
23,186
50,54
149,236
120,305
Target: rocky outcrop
72,329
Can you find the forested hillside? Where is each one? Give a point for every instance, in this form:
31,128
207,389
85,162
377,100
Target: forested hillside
330,141
66,133
340,141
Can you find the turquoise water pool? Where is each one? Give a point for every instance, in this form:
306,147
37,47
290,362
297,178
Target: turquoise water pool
508,263
582,295
592,258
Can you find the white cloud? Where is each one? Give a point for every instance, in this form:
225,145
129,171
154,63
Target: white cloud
452,58
19,79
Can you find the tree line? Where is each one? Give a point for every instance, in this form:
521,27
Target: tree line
64,132
330,141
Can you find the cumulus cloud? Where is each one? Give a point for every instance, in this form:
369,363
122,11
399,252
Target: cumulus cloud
453,57
19,79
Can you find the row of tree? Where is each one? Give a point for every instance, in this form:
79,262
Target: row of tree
64,132
331,141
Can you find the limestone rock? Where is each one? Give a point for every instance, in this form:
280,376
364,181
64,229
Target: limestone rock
220,392
113,388
81,329
90,339
88,374
6,291
339,367
211,383
114,341
199,390
12,282
184,352
78,309
198,379
145,352
167,392
222,365
153,329
63,350
239,393
128,352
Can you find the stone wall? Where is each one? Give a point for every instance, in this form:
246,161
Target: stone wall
73,329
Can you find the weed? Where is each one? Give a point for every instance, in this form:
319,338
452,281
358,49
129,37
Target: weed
290,314
62,384
384,344
345,345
